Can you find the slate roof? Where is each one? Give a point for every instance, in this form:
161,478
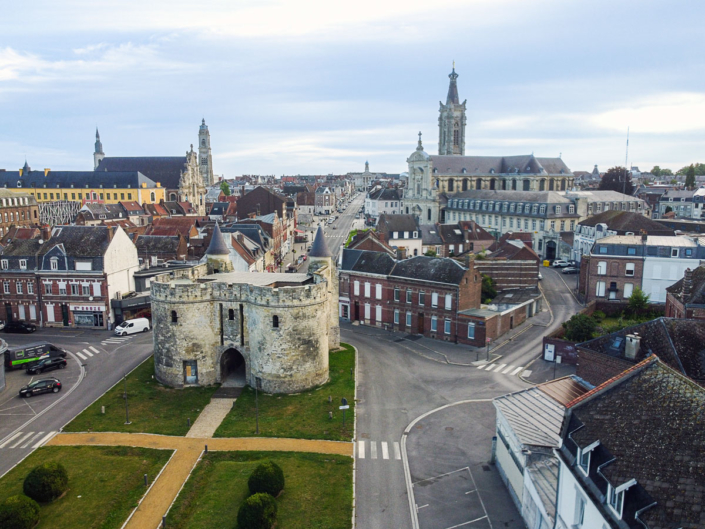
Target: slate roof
147,244
475,231
386,194
368,262
430,235
132,207
511,250
649,422
156,210
624,221
80,241
217,245
486,165
697,288
219,208
79,179
440,270
20,233
541,197
679,343
163,169
22,248
388,224
319,248
93,211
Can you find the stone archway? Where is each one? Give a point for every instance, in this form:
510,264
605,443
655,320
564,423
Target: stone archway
233,369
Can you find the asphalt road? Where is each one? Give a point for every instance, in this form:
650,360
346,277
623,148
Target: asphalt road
448,450
97,360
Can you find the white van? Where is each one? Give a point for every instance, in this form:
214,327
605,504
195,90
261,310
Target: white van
132,326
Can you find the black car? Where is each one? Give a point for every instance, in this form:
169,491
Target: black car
46,364
20,327
45,385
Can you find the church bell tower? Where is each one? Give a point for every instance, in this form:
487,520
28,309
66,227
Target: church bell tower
451,121
205,160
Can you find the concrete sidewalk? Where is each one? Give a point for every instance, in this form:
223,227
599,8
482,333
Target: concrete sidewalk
161,495
210,418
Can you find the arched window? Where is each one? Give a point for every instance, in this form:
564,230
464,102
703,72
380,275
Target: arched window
174,317
527,184
465,184
172,197
152,197
203,142
550,184
478,183
429,213
542,184
231,314
492,183
563,185
275,321
451,184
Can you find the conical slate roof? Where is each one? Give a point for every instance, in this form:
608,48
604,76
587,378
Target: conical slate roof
217,245
319,248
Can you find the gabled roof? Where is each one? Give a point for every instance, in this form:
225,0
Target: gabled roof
92,210
627,221
514,251
388,224
475,232
156,210
386,194
163,169
518,166
132,207
440,270
14,233
155,244
535,418
649,424
368,262
430,235
79,241
679,343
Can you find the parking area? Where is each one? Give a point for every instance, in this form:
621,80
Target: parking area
15,411
450,500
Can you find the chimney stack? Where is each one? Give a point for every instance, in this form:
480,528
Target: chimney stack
401,254
631,347
687,285
46,232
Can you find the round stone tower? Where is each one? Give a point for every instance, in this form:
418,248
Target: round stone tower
321,263
217,255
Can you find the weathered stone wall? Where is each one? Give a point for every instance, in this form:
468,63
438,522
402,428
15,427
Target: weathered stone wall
288,358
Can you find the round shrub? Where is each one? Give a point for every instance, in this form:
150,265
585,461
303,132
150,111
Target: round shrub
19,512
267,477
259,511
46,482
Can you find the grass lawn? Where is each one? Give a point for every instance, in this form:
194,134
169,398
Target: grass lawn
105,483
154,408
302,415
317,494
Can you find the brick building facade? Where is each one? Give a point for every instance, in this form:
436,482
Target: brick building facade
17,209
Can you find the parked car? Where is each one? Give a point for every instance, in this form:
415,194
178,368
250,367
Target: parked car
570,270
45,385
2,325
540,276
132,326
20,327
46,364
560,263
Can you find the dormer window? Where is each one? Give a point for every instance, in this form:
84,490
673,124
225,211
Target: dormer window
584,457
491,171
19,183
615,497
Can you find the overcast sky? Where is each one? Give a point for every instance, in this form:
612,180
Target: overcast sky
320,86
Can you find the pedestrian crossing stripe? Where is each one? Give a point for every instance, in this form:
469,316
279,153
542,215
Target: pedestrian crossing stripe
383,451
503,369
27,439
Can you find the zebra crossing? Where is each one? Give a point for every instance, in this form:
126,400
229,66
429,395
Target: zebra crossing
116,340
87,353
27,440
504,369
390,451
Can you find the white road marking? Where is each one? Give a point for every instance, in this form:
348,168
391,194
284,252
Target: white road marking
527,373
467,523
44,440
482,366
88,352
385,450
397,451
22,440
500,367
360,449
421,507
10,440
31,440
507,370
470,492
516,370
80,356
373,449
94,349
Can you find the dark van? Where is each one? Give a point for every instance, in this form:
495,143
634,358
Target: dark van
22,356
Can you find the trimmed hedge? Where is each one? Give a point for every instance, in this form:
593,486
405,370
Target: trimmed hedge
259,511
19,512
46,482
267,477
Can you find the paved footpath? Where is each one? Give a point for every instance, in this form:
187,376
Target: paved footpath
187,452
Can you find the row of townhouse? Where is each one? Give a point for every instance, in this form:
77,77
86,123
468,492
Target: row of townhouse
620,263
70,279
434,297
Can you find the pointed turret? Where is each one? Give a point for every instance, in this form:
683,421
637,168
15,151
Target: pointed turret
319,248
98,154
453,88
217,245
25,169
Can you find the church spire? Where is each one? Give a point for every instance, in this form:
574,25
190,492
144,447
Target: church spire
98,153
453,88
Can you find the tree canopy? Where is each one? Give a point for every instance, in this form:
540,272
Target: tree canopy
614,180
579,328
690,177
638,301
225,188
698,167
657,171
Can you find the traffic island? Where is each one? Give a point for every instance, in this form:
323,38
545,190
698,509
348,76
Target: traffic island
105,483
307,415
318,490
151,407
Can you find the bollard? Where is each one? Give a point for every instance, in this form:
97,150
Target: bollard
330,399
330,415
351,373
102,410
206,449
188,422
146,481
163,521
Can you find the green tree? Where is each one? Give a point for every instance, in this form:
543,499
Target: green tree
656,171
579,328
225,188
638,301
19,512
666,172
46,482
668,209
259,511
267,477
489,290
690,177
617,179
699,169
